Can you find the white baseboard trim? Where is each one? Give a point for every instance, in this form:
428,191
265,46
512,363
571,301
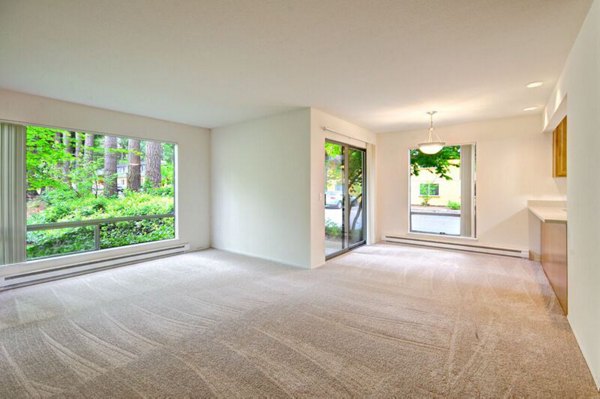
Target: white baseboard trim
54,273
262,257
516,253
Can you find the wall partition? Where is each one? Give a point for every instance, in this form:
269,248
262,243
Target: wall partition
345,198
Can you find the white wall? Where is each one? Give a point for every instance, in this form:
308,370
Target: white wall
580,84
514,165
268,181
354,135
193,195
261,188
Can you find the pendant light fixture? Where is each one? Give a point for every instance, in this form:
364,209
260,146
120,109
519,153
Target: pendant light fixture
431,147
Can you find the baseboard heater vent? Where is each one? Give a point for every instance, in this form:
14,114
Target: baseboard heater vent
517,253
55,273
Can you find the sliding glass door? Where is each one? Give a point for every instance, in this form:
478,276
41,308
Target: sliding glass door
345,197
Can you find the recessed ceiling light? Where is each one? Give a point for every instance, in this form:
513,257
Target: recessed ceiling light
533,85
530,109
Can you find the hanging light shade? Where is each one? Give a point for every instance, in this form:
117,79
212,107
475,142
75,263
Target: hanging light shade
431,146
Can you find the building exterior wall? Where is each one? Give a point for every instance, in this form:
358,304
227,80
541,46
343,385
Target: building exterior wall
449,190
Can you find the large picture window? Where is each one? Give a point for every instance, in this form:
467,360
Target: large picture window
88,191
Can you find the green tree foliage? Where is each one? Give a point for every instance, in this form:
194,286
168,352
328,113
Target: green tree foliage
45,155
333,162
334,170
333,158
439,163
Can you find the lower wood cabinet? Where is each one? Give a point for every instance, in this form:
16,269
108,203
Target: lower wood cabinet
554,259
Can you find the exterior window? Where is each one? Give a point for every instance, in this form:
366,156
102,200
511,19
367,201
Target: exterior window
88,191
429,189
442,191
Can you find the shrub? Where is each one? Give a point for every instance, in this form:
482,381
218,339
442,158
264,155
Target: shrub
136,232
454,205
59,241
332,230
66,207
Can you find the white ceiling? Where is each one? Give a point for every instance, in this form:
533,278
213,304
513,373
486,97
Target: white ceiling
381,64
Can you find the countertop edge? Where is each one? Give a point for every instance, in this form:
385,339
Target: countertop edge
549,214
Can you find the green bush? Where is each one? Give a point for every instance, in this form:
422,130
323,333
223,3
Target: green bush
57,206
59,241
454,205
332,230
136,232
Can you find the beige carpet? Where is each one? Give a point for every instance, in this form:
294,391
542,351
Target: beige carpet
382,321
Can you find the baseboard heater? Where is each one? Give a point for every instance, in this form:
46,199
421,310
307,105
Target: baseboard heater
75,269
517,253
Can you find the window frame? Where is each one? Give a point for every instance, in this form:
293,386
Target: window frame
429,185
474,219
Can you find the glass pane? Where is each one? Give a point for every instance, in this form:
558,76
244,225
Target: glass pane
436,186
136,232
334,198
356,162
75,176
53,242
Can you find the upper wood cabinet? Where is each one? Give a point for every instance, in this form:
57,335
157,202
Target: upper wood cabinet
559,149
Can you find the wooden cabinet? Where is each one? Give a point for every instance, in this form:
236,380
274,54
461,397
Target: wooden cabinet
554,259
559,149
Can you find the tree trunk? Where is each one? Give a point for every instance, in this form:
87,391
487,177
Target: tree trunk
87,147
134,177
88,160
68,139
78,148
153,159
110,166
358,212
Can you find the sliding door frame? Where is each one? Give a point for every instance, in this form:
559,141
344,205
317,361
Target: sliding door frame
346,247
